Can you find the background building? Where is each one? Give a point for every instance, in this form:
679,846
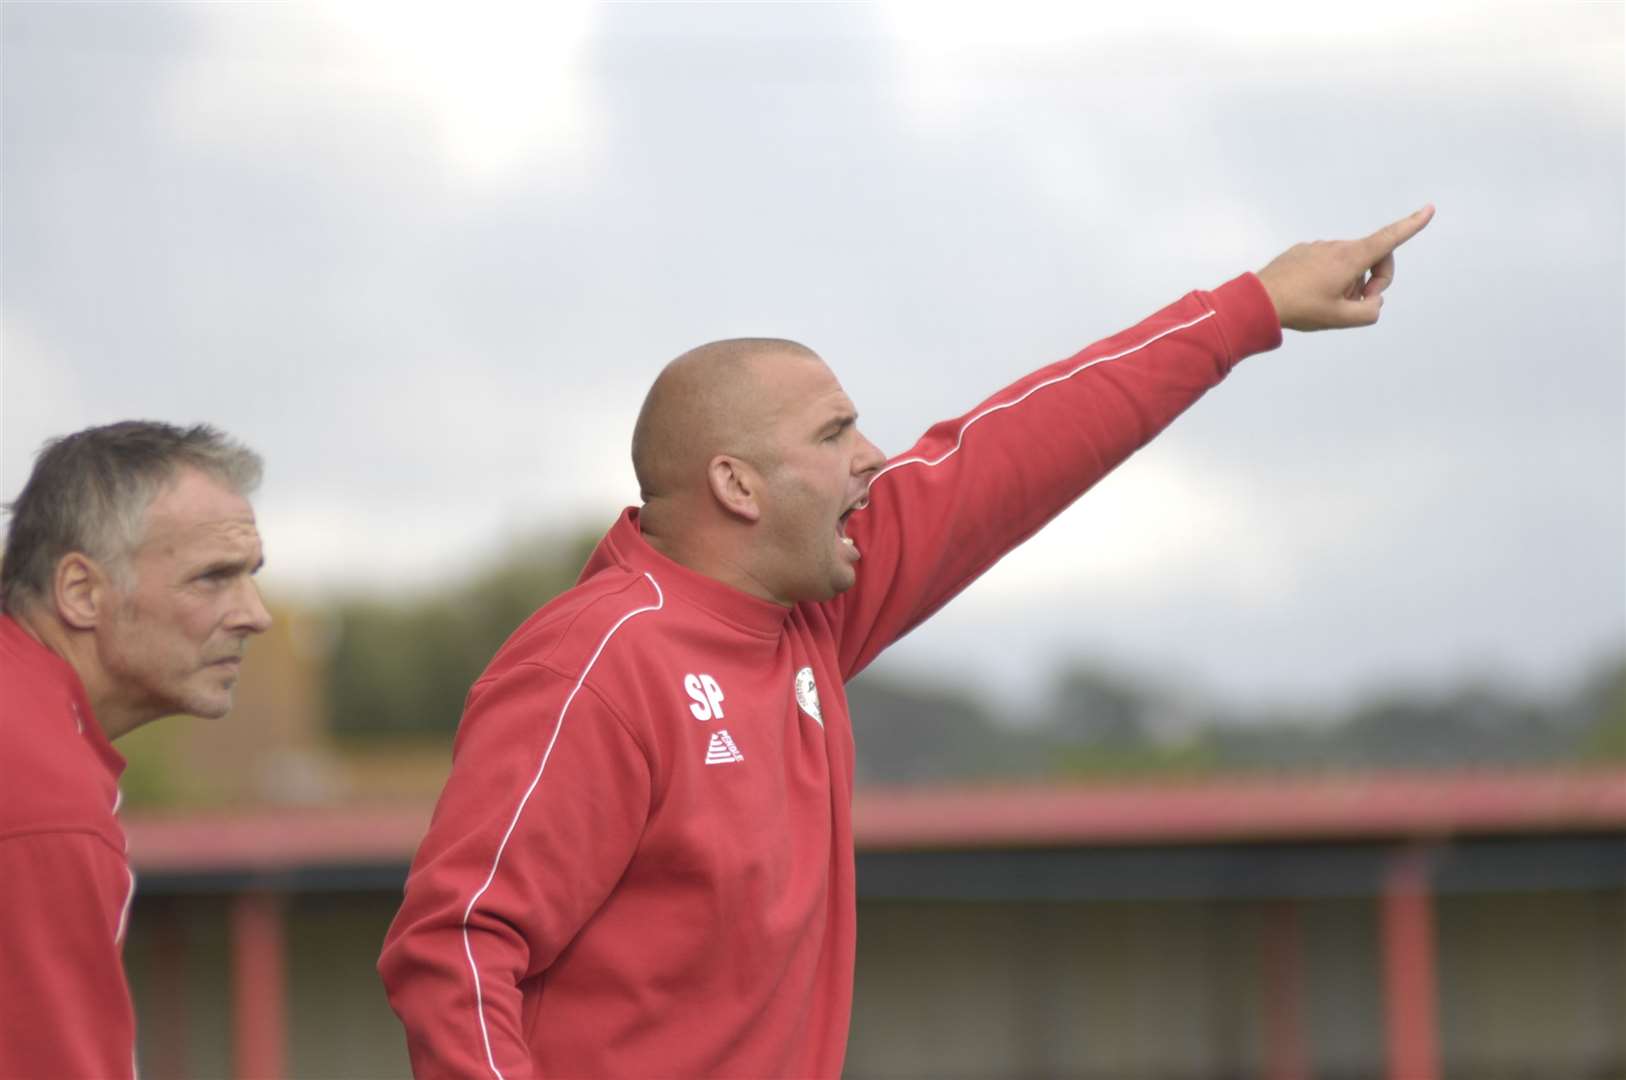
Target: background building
1406,927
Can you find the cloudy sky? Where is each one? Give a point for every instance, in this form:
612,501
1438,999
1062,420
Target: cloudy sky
427,258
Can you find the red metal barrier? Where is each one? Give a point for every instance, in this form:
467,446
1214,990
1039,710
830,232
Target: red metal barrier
259,987
1410,1010
1286,1052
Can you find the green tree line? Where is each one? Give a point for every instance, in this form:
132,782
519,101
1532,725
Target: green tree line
402,668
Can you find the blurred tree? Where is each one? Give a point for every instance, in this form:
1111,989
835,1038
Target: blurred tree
1478,724
908,733
404,667
1090,706
1101,723
1602,704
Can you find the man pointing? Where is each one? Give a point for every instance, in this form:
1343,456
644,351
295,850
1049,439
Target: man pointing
642,862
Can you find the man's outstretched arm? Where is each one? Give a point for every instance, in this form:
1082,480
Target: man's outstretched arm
974,487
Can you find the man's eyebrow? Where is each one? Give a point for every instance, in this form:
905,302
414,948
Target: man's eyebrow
215,566
841,422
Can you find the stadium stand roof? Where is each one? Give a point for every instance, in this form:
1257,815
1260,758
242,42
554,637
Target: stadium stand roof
1237,809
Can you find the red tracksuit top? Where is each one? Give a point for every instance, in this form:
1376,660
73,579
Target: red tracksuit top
642,862
65,882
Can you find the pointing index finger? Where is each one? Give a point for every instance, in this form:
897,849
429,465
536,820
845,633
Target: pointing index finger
1391,236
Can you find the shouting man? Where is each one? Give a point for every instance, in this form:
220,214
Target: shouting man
642,862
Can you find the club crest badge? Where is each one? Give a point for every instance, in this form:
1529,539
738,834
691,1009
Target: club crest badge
807,694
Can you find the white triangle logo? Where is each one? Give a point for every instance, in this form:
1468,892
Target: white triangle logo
807,694
721,750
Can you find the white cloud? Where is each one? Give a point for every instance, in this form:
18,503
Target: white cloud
40,392
1172,531
1150,531
1576,45
497,89
422,259
467,461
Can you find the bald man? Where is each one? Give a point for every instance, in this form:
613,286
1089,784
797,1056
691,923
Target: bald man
642,863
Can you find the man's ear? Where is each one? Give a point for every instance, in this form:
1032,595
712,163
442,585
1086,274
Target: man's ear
80,590
735,486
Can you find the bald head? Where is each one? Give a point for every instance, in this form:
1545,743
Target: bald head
715,399
750,460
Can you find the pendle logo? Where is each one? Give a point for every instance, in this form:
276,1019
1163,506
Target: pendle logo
721,750
707,695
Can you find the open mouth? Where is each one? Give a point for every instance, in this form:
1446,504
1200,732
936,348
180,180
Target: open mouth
841,522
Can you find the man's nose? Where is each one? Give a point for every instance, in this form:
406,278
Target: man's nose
869,458
252,614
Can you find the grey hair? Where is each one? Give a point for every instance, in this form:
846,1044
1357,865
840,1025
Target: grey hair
89,493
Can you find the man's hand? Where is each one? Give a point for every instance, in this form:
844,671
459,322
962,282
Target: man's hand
1337,283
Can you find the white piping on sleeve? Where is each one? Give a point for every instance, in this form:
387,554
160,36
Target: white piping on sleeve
468,950
960,438
129,897
124,912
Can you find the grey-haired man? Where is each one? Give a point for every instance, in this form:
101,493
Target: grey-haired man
128,594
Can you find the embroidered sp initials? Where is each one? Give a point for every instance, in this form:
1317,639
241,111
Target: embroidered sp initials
707,695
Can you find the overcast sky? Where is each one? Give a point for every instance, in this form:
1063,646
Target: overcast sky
427,259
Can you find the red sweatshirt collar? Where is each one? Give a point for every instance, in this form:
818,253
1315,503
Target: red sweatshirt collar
626,546
35,656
